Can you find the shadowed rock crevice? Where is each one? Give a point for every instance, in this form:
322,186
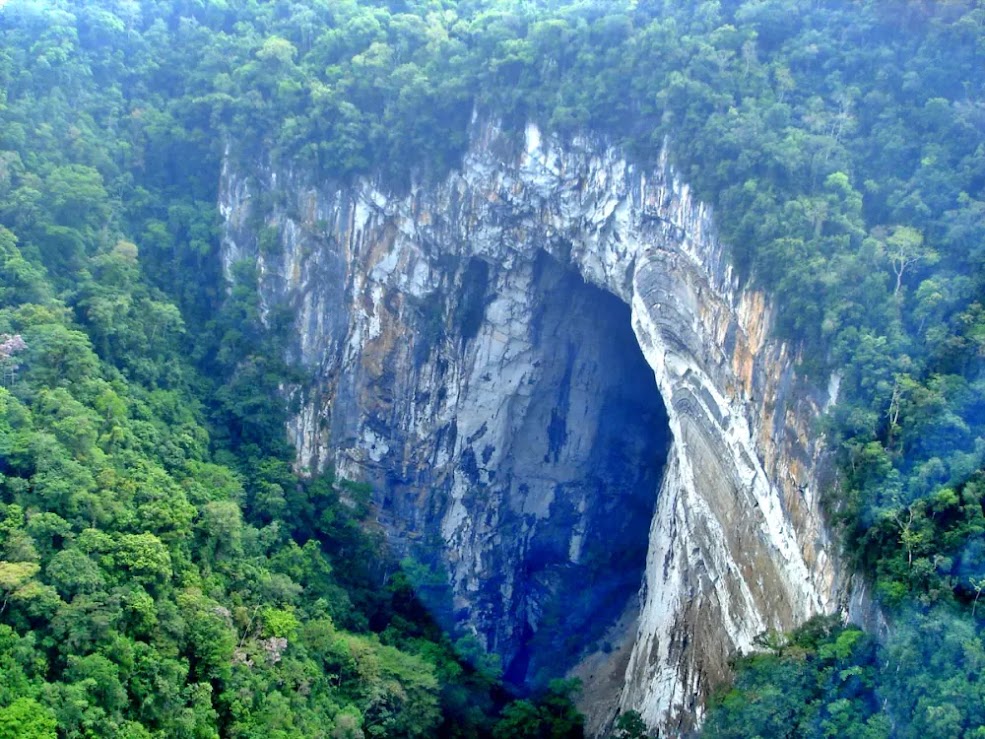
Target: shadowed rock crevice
581,475
554,445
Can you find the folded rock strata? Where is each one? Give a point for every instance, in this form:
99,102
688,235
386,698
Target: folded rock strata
563,395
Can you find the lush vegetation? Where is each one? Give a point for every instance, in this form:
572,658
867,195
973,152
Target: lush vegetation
826,680
163,572
161,568
816,682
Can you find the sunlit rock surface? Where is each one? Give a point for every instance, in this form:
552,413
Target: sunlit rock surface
473,348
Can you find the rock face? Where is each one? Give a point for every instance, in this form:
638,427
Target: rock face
549,372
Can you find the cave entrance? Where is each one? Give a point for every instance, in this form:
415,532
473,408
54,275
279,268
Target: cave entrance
593,442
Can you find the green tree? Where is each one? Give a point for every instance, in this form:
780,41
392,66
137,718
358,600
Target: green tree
630,725
25,718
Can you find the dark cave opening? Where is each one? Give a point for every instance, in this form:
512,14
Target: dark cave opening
559,496
584,562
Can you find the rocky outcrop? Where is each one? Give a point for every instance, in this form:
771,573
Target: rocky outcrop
472,348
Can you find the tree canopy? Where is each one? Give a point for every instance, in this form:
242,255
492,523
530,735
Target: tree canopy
162,570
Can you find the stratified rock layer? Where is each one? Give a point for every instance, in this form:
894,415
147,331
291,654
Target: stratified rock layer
465,369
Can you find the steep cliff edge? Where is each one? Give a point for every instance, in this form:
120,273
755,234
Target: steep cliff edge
469,362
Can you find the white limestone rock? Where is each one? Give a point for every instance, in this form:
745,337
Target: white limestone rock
448,414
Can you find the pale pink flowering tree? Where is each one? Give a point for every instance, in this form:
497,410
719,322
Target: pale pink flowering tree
9,346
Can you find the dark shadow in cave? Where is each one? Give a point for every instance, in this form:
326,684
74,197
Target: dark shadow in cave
571,498
606,479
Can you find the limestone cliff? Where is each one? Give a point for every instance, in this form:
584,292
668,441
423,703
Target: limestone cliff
507,355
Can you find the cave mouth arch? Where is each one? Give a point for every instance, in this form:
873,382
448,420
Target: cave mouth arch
580,476
410,396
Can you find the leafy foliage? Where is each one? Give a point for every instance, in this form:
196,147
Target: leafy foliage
154,539
819,682
163,571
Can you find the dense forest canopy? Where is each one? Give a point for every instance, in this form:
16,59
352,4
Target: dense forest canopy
162,570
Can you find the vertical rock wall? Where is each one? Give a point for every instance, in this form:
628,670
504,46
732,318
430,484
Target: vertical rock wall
470,362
